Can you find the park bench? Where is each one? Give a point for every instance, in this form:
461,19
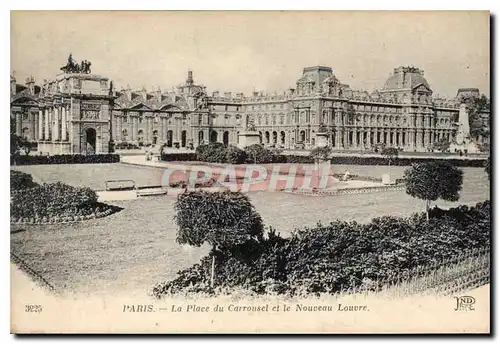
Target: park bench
120,185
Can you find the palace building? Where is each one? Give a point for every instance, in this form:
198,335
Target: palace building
80,112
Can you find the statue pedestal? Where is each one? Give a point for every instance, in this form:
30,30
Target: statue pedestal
320,175
468,146
248,138
462,139
321,139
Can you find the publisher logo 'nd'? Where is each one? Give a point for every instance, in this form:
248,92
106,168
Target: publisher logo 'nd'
465,303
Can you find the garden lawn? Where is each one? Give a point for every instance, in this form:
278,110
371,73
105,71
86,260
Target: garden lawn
135,248
93,176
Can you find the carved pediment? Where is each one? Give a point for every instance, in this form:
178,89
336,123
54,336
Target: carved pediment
171,107
142,107
422,88
25,100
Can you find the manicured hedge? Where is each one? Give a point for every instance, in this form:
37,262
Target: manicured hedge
257,154
179,157
341,255
357,160
67,159
20,181
125,145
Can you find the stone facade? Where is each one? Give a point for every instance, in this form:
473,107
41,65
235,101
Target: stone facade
69,115
403,114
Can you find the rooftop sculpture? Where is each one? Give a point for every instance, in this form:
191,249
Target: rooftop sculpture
74,67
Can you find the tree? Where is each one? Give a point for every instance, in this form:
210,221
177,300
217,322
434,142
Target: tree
487,167
222,219
16,142
434,180
477,106
390,154
321,153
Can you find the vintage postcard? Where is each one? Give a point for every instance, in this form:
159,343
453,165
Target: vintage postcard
250,172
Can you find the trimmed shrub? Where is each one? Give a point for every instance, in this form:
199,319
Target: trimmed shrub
179,157
321,153
222,219
235,155
341,255
20,181
258,154
213,152
67,159
50,200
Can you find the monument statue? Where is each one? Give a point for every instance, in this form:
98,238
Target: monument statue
250,125
74,67
463,131
463,142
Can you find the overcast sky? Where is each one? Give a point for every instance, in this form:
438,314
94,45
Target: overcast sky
240,51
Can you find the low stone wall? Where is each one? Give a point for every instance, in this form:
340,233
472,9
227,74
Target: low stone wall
347,191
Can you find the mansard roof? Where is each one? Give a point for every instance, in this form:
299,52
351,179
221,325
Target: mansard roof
405,78
150,101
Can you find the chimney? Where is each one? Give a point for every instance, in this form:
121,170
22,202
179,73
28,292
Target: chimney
215,94
157,93
30,84
190,80
128,92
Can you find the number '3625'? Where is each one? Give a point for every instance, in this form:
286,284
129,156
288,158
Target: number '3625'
33,308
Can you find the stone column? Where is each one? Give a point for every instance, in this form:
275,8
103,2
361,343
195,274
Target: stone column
150,129
55,136
46,136
119,127
419,139
162,129
135,127
40,124
368,138
64,129
36,132
19,123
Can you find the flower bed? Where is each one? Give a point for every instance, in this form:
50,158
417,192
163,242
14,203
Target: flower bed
341,255
20,181
67,159
56,203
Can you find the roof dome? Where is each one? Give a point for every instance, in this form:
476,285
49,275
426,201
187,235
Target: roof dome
406,78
